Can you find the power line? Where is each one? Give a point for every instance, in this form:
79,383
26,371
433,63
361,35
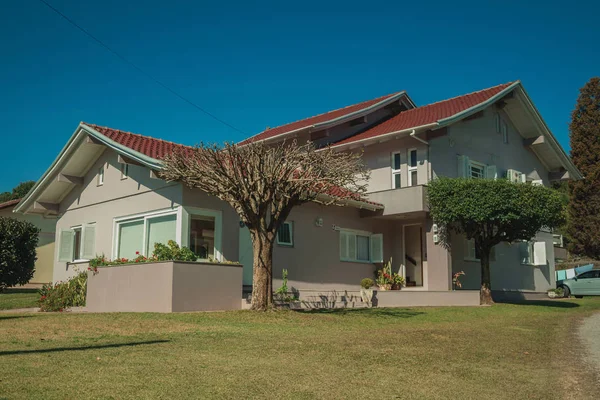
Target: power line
125,60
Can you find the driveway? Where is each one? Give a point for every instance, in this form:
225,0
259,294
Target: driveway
589,332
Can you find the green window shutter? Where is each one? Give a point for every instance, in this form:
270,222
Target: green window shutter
65,251
351,246
377,248
490,172
463,166
89,242
343,245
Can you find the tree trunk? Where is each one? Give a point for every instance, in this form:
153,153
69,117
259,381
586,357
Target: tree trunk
485,293
262,289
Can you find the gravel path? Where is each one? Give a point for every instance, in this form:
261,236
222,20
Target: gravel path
589,332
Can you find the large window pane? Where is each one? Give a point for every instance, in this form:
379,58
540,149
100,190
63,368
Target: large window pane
131,237
202,236
362,248
160,230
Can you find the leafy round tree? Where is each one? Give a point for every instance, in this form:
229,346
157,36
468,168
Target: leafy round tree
584,206
18,240
491,212
18,192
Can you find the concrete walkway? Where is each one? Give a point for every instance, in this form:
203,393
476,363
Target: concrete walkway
589,333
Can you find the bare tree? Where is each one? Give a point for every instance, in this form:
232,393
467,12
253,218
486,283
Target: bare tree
263,183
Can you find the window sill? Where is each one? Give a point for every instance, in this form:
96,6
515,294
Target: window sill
357,261
471,259
74,262
290,245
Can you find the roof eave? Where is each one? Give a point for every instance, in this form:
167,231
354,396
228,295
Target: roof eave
335,121
62,158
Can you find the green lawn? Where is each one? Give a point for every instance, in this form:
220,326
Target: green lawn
498,352
19,298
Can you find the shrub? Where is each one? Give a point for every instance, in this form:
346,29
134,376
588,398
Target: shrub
172,252
367,283
18,240
63,295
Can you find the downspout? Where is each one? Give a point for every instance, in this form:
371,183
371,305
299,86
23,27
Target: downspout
413,135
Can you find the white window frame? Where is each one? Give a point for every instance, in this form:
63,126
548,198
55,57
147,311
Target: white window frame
124,171
353,233
186,214
79,257
145,217
291,242
396,171
532,257
100,180
412,169
477,165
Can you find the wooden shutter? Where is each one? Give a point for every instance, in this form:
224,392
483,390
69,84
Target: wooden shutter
65,251
89,242
539,253
490,172
376,248
343,245
351,246
463,166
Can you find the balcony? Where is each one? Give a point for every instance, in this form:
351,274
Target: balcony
408,200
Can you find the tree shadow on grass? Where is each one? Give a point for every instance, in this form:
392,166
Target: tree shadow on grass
4,318
543,303
15,291
60,349
375,312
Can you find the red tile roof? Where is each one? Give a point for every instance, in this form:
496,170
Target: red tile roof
151,147
428,114
9,203
328,116
157,149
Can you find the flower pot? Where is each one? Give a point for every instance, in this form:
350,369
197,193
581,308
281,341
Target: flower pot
387,286
396,286
552,294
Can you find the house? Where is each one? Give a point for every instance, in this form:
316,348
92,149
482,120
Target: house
104,191
45,248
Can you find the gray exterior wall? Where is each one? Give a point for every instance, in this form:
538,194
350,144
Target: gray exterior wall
117,197
478,140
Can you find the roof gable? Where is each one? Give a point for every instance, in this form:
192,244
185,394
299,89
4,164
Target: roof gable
429,114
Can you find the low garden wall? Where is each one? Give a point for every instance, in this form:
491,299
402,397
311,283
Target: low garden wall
171,286
386,298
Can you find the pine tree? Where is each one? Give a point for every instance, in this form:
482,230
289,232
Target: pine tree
584,207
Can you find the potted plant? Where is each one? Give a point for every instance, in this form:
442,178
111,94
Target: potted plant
456,280
384,277
398,281
366,291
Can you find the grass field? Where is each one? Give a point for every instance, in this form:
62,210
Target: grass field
19,298
503,351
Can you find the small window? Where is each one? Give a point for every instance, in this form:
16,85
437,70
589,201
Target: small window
504,132
124,171
472,254
476,170
396,181
361,247
413,178
284,234
498,123
77,243
101,176
533,253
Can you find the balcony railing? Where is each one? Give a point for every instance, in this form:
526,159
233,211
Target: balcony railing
400,201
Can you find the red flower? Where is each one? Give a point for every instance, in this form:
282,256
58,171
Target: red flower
137,252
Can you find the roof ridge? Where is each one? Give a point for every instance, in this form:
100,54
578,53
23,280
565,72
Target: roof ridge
380,98
460,95
134,134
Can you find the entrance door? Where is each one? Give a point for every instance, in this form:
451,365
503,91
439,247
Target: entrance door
413,255
246,255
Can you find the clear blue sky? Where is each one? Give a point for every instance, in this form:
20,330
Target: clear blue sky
264,64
